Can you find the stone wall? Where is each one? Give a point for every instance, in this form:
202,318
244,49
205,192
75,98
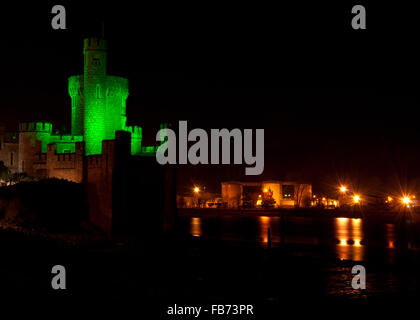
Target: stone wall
9,151
67,166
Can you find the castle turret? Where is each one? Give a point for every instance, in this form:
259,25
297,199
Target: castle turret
98,101
33,139
94,94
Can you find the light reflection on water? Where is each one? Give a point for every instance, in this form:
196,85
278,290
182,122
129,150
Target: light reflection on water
265,224
345,235
349,233
343,238
390,235
195,227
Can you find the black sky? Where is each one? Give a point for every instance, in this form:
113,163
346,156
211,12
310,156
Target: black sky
334,102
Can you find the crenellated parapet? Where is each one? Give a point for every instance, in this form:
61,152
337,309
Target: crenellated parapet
65,143
94,44
36,126
136,138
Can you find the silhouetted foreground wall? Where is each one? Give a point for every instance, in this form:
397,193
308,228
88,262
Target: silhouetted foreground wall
129,194
119,193
53,204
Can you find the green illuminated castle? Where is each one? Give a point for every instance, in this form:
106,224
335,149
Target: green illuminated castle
98,101
101,151
98,112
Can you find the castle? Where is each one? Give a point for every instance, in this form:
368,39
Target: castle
99,141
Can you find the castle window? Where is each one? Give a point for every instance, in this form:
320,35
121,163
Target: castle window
98,91
96,61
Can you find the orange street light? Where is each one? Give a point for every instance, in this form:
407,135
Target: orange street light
406,200
196,189
356,198
343,189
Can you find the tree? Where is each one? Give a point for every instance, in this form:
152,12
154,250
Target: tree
301,194
267,199
4,172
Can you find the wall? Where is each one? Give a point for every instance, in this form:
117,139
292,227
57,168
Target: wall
99,184
67,166
231,194
9,151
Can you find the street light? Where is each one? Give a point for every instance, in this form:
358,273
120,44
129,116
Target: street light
406,201
356,198
196,189
343,189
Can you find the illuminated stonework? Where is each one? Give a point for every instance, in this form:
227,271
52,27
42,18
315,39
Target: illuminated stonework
98,101
98,112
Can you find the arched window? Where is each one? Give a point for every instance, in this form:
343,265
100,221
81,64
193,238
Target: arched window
98,91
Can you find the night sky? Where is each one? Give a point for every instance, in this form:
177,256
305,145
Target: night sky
336,104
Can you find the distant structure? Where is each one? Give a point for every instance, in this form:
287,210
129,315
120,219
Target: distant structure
238,194
100,139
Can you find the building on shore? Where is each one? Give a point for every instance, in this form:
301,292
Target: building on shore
282,194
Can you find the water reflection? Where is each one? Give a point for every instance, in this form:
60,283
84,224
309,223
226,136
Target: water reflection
264,223
195,227
344,236
390,239
390,235
349,233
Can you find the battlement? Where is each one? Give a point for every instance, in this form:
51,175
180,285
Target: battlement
136,131
149,150
35,126
94,161
96,44
65,138
40,158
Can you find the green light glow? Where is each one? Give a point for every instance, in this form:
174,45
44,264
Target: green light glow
99,101
98,104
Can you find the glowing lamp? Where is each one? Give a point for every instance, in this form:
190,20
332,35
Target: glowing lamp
356,198
406,200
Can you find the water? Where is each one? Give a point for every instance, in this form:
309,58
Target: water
346,236
385,248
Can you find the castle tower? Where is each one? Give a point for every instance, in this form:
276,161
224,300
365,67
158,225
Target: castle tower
94,79
33,139
98,101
